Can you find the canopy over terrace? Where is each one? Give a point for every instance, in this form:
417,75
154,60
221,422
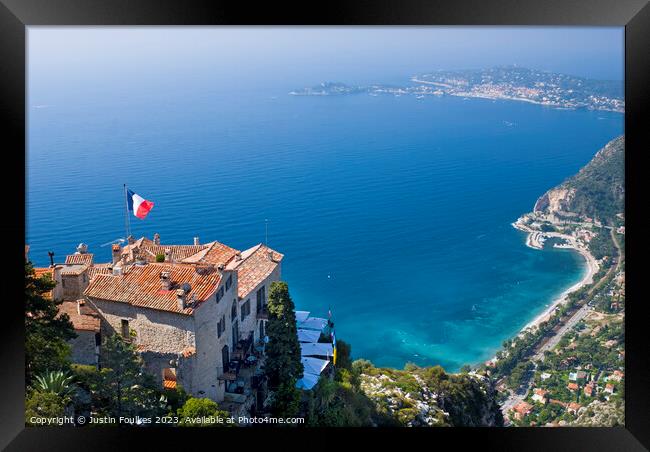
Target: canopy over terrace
312,323
308,381
301,316
308,335
316,349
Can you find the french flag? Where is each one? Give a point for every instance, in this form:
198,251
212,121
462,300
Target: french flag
138,205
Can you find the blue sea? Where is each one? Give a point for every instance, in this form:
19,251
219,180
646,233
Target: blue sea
393,212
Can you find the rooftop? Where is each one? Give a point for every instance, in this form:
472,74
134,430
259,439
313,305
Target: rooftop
256,265
79,258
82,316
140,285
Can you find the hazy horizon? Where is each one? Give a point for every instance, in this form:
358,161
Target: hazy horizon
93,62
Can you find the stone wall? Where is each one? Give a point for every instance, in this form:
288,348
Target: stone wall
84,350
208,366
251,323
69,287
158,331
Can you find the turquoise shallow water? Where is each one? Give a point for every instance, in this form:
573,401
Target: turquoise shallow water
393,211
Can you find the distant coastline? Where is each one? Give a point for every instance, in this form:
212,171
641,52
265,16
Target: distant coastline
548,89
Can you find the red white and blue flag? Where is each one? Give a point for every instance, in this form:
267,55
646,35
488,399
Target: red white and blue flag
138,205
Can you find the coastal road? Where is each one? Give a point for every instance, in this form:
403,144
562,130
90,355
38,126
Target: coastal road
517,397
555,339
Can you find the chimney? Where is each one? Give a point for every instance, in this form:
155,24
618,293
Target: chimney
180,298
238,256
117,270
156,238
115,252
168,255
82,248
270,254
165,280
130,240
196,241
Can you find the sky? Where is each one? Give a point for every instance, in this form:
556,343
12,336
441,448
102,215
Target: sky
86,60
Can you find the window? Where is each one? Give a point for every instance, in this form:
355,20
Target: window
169,378
245,309
220,293
221,326
125,329
261,298
233,310
229,282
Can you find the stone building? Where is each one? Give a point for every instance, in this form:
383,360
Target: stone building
191,310
85,321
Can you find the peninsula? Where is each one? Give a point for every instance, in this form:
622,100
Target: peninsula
499,83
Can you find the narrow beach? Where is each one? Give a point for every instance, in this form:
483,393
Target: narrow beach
535,240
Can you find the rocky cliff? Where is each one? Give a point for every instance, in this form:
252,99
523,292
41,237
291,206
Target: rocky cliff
596,191
429,396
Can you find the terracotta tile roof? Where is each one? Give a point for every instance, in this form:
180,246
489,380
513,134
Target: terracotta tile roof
256,265
42,271
572,386
72,269
573,406
188,351
39,272
99,270
216,254
87,320
148,250
78,258
169,384
140,286
523,408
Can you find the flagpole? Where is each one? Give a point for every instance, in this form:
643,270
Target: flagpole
126,214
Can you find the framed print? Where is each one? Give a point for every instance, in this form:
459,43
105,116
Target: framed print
373,220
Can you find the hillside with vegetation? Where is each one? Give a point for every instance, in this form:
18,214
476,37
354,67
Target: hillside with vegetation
597,191
360,394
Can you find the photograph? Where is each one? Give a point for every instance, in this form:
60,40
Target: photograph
325,226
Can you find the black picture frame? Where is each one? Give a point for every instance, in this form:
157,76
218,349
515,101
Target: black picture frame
16,15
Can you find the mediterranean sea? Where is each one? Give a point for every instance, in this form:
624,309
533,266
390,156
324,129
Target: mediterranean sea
394,212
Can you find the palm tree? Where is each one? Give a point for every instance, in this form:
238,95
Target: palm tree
57,382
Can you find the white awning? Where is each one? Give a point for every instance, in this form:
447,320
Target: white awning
308,381
313,365
316,349
301,316
308,335
313,323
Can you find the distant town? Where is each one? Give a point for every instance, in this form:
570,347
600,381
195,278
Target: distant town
503,83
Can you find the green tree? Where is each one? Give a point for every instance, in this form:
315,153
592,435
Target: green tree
195,408
286,399
343,355
127,389
46,332
44,405
283,364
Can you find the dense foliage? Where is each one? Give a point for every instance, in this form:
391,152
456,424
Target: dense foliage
46,332
195,410
600,185
283,363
